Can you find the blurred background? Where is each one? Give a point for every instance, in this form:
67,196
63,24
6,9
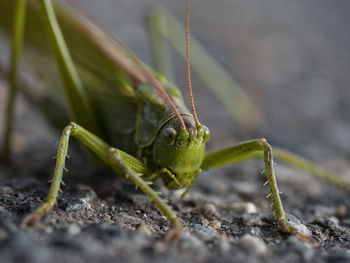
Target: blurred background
292,59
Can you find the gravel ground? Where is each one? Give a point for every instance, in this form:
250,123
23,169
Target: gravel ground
292,58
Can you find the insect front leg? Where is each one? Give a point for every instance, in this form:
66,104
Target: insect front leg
244,151
93,142
119,161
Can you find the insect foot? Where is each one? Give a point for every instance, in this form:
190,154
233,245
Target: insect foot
293,226
36,216
174,232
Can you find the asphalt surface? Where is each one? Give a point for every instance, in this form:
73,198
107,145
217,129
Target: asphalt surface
292,59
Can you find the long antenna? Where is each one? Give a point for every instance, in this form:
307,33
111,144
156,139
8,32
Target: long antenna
188,61
156,84
152,80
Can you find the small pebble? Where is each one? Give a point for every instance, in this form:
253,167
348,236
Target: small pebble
20,196
223,236
143,229
205,233
334,219
192,243
106,217
297,243
244,207
215,224
74,229
302,248
209,209
255,231
300,228
342,211
316,232
6,190
160,247
205,222
254,244
251,219
86,195
224,245
49,230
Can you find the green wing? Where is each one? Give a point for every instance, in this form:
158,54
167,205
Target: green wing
153,113
110,77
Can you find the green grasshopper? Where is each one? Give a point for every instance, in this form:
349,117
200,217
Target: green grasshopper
110,94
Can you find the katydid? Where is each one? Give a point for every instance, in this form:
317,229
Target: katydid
114,100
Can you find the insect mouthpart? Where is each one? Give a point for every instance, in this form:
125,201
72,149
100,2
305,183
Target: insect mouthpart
182,180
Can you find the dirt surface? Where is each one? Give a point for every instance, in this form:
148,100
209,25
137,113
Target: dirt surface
292,58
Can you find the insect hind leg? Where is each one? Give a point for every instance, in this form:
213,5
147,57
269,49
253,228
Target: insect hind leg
302,163
17,41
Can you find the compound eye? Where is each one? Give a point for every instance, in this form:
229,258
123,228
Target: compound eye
206,136
170,134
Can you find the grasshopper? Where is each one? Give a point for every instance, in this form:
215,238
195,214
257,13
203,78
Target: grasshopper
132,119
